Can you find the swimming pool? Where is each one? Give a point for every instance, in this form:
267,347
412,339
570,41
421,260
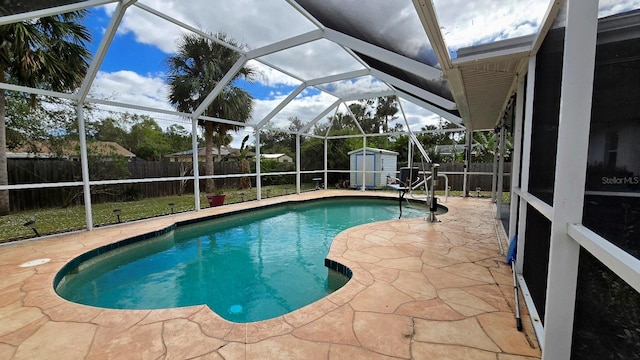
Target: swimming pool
246,267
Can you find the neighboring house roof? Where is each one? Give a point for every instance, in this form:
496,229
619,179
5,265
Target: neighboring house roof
70,150
373,150
104,148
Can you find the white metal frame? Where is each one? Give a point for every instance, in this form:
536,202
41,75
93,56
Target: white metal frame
567,233
571,167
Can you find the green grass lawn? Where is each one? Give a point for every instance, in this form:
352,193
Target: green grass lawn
59,220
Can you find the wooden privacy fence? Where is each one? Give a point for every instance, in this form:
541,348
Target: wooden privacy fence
484,182
31,171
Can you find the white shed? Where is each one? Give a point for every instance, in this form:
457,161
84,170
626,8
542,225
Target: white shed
382,162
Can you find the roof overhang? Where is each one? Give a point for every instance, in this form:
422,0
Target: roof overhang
483,79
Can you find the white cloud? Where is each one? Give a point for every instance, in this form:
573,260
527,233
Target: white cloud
417,117
132,88
149,29
255,23
271,77
466,23
610,7
306,108
313,60
361,85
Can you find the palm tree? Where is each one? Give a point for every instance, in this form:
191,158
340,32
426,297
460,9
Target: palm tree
47,52
196,68
387,109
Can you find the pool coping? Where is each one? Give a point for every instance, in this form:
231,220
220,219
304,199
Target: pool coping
114,331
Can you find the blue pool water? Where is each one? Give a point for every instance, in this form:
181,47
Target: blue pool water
246,267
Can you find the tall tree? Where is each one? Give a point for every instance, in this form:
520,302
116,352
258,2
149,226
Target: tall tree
48,52
196,68
387,109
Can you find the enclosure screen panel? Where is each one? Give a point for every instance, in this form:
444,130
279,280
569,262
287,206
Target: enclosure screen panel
546,109
607,316
536,257
607,320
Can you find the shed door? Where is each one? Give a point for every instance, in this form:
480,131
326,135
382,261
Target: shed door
370,178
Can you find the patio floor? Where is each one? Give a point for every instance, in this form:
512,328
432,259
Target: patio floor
419,290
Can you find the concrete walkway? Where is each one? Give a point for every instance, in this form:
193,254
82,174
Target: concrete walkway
419,291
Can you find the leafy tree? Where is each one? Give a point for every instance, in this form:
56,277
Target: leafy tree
296,124
371,115
399,145
197,67
27,126
485,143
47,52
147,140
278,142
311,157
141,135
111,129
178,138
312,151
272,165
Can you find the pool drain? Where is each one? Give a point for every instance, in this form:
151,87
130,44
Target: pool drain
235,309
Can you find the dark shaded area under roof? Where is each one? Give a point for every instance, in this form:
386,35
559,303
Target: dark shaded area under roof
439,88
371,23
12,7
391,25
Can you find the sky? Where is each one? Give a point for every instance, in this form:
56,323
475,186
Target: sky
134,70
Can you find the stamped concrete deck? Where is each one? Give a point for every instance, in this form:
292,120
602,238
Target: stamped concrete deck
419,291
